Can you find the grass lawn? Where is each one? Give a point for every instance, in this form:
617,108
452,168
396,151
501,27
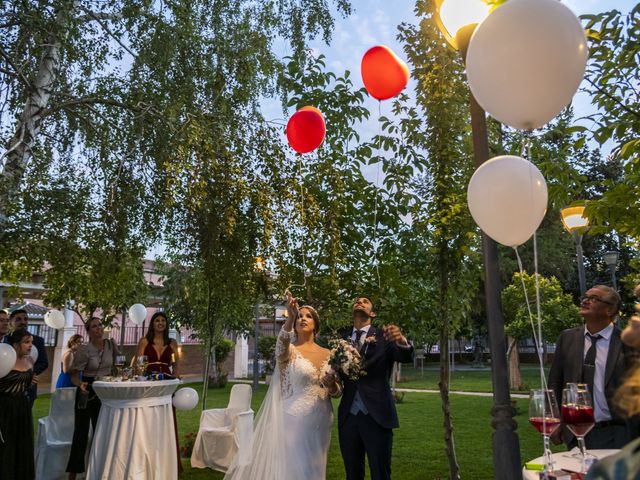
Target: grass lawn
465,377
418,444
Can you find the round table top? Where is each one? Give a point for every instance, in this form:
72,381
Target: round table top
132,390
564,461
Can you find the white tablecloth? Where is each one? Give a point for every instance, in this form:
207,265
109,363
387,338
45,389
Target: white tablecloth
564,460
134,438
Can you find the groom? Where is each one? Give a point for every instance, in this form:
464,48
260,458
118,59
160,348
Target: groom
367,412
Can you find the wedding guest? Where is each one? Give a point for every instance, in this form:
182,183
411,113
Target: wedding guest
594,354
160,350
64,379
162,357
19,319
367,413
16,422
293,427
4,326
93,359
626,463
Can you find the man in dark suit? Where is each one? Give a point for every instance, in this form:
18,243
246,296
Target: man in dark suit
19,319
367,412
595,355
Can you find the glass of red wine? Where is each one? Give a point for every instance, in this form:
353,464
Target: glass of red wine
544,415
577,415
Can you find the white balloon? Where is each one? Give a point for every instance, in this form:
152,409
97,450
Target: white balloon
137,313
526,60
55,319
8,358
507,197
185,399
34,353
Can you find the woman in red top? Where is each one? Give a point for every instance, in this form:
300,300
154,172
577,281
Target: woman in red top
161,351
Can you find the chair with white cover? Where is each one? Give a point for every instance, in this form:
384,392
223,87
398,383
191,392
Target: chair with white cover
225,433
55,433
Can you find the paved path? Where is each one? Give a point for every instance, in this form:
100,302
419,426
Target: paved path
457,392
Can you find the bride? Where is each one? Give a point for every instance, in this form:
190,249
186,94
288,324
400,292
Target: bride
293,427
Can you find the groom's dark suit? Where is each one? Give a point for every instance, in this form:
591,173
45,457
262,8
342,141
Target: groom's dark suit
370,432
567,368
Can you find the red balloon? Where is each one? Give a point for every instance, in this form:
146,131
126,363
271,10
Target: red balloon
383,73
306,129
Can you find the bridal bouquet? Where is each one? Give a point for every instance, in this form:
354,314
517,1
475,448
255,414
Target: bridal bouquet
345,359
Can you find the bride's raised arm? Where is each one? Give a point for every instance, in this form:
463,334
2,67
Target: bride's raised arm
284,337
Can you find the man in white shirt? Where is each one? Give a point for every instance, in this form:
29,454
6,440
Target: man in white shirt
595,355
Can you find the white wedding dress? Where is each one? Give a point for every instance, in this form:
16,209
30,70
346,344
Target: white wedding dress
293,427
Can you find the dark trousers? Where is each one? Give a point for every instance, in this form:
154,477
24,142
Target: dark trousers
360,434
83,418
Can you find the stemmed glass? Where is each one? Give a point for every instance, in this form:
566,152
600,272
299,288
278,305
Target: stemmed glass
544,415
577,415
143,361
119,363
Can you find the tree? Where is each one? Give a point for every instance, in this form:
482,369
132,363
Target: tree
614,47
441,215
558,312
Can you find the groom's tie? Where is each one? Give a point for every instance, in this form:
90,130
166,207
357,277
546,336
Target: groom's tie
358,405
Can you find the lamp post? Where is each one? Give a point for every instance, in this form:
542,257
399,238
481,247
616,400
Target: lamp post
256,331
457,19
611,259
576,224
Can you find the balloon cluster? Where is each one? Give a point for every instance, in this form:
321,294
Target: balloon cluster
524,64
384,76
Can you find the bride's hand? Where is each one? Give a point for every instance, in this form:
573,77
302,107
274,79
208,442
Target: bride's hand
292,305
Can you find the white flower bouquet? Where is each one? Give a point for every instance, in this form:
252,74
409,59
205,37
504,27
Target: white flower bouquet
345,359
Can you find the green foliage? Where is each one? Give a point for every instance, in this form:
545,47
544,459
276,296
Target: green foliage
558,312
614,48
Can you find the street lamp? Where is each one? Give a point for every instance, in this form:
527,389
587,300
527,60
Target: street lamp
576,224
256,333
611,259
457,19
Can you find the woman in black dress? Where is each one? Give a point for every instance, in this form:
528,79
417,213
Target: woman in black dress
16,424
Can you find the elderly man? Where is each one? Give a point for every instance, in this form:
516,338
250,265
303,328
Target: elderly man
595,355
19,319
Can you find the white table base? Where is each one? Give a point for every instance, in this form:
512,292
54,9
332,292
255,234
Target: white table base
134,442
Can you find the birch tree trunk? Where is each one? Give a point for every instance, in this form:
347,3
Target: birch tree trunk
20,145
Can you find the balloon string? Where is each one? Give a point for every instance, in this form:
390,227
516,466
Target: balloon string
375,207
537,337
538,309
302,221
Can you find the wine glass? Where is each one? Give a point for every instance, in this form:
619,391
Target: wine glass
577,415
143,362
119,363
544,415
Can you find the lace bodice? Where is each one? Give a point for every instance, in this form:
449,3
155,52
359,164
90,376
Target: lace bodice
299,377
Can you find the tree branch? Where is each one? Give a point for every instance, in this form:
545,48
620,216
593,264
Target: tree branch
98,18
18,73
612,98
